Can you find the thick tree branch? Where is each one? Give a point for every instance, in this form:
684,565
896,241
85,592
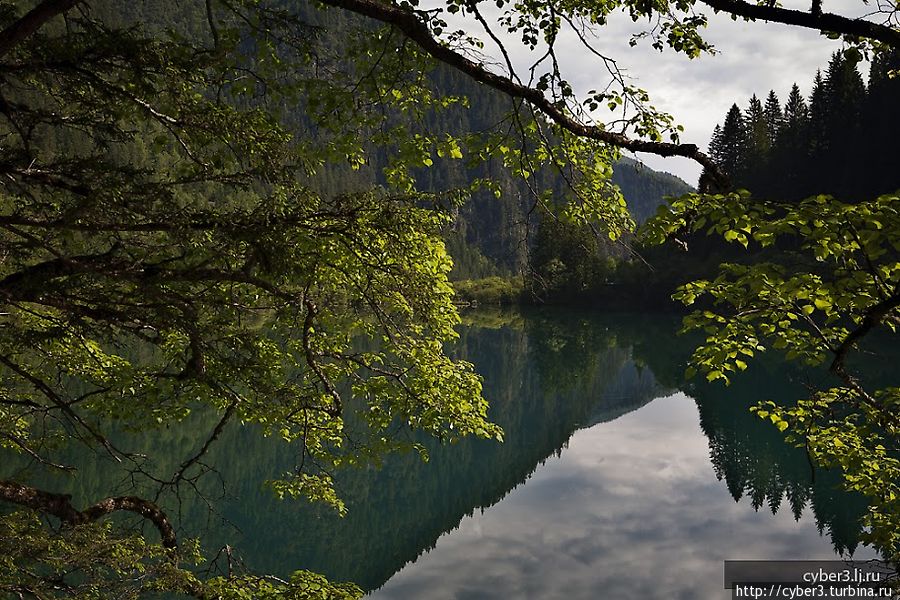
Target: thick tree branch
213,29
60,506
873,317
812,20
29,283
50,179
33,20
412,26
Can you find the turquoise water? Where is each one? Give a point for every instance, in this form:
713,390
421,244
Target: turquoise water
617,478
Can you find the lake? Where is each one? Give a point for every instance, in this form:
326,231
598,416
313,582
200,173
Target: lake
617,478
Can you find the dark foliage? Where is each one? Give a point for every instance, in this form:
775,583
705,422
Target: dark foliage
843,141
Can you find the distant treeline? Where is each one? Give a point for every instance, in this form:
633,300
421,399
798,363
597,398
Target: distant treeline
841,141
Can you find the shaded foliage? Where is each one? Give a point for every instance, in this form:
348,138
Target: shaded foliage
842,142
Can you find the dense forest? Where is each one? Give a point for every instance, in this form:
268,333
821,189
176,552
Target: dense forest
498,231
221,215
487,239
840,140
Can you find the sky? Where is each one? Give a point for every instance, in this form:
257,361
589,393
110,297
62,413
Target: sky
751,58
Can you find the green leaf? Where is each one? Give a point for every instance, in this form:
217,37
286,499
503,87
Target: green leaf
822,303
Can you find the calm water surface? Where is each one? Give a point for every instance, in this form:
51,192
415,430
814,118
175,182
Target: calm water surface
630,509
617,479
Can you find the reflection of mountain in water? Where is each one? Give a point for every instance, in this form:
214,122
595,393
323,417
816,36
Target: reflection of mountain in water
630,389
544,382
546,377
547,374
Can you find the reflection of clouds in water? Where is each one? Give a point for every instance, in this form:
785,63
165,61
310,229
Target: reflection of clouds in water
475,522
632,509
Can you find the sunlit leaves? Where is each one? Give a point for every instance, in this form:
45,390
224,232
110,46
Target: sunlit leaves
859,443
186,263
839,280
302,585
92,561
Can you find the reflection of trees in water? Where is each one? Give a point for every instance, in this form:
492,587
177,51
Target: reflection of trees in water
548,373
546,378
753,460
749,454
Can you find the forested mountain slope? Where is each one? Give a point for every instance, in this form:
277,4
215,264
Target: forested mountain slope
488,235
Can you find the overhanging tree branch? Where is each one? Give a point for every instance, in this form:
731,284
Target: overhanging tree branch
873,317
412,26
811,20
60,506
33,20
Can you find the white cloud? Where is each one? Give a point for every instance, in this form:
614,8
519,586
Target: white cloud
752,58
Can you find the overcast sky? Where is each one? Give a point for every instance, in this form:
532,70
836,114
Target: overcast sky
751,58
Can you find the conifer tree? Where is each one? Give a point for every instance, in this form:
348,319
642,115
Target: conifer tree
791,152
881,134
734,144
715,144
810,148
758,148
796,114
845,93
774,117
819,112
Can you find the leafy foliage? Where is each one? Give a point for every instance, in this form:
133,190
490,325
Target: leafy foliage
490,290
168,245
840,284
166,252
88,561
